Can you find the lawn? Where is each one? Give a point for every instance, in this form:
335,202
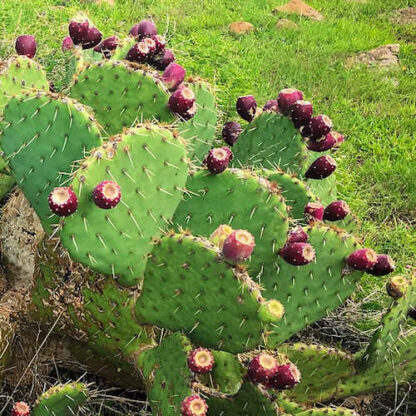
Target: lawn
374,108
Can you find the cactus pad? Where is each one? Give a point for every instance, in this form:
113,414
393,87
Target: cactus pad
328,411
148,164
122,95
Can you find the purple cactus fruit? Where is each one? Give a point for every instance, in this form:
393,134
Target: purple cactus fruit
317,127
143,29
163,59
26,45
78,30
218,159
238,245
271,106
384,265
297,235
201,361
151,44
231,132
362,259
300,112
107,194
298,254
63,201
262,368
286,377
246,107
139,53
181,100
397,286
194,406
314,211
322,144
67,44
336,211
107,45
188,114
20,409
160,42
287,98
321,168
173,76
339,138
220,234
93,38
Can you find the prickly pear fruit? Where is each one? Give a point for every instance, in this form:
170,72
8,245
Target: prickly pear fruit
271,311
286,98
173,76
20,409
151,44
297,235
160,42
162,60
107,194
300,112
181,100
107,45
220,234
67,44
262,368
383,266
201,361
336,210
362,259
411,313
194,406
317,127
143,29
63,201
271,106
78,29
93,38
188,114
322,144
298,254
246,107
218,159
139,52
321,168
314,211
397,286
26,45
238,245
231,132
339,138
286,377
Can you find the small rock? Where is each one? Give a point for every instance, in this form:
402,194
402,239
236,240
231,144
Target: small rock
286,24
383,56
300,8
238,28
405,16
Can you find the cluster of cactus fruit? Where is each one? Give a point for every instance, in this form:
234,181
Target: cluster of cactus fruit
183,261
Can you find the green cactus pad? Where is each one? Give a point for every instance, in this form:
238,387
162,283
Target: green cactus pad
6,184
270,141
61,400
44,135
328,411
124,46
149,165
310,292
317,362
287,406
200,130
20,74
241,200
249,401
167,376
187,287
122,95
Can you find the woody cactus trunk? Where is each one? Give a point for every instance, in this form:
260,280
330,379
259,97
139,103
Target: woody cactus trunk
182,264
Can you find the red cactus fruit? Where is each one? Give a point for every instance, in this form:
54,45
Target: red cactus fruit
339,138
26,45
397,286
238,245
92,38
362,259
162,60
181,100
231,132
271,106
297,235
143,29
317,127
201,361
300,112
63,201
321,168
336,210
322,144
286,377
139,52
160,42
287,98
194,406
218,159
262,368
78,30
298,254
314,211
151,44
107,194
67,44
173,76
384,265
188,114
20,409
246,107
107,45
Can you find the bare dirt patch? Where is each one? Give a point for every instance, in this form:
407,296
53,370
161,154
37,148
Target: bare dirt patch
300,8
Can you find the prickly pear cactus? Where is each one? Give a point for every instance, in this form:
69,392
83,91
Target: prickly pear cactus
182,265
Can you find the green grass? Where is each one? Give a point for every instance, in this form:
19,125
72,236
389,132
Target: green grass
375,109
